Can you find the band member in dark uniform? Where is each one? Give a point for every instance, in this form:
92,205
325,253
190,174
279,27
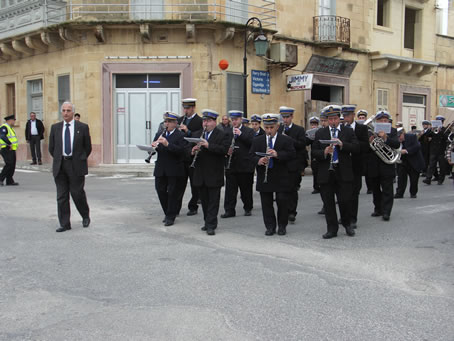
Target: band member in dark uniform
256,121
191,126
314,122
297,165
424,140
239,171
273,174
209,158
169,167
323,124
361,117
335,174
412,163
246,122
437,153
362,135
382,174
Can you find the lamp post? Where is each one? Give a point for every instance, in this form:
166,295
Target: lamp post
261,46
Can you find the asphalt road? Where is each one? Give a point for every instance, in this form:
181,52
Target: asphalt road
127,277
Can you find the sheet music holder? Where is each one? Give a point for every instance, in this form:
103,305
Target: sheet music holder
146,148
386,127
194,139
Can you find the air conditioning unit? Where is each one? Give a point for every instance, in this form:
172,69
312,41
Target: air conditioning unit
283,53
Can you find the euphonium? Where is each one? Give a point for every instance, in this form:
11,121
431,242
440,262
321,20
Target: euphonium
387,154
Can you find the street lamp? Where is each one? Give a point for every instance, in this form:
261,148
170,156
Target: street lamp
261,46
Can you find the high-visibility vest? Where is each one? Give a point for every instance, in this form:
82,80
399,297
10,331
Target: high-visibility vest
11,137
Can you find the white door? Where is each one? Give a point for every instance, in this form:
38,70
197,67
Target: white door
412,115
236,11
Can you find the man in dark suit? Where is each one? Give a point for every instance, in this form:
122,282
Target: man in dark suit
191,126
335,174
412,163
209,168
225,124
169,167
256,121
298,164
310,136
34,133
8,147
382,174
437,153
239,171
70,146
362,135
424,140
273,177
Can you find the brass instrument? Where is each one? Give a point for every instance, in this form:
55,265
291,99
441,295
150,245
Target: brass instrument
232,146
450,145
387,154
197,151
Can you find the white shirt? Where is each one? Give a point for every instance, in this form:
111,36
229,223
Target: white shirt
34,130
353,125
170,132
272,138
335,136
71,131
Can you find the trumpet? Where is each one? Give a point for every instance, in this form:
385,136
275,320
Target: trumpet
197,151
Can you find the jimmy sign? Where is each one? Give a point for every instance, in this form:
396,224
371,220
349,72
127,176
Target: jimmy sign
299,82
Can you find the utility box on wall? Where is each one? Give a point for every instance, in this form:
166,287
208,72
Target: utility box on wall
283,53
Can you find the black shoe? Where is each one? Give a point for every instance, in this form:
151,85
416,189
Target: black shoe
398,196
291,218
63,229
353,225
413,196
386,217
349,231
13,184
269,232
315,191
369,191
164,220
322,211
329,235
169,222
39,162
210,232
203,228
191,212
426,181
247,213
376,214
435,178
33,163
282,231
227,215
86,222
440,182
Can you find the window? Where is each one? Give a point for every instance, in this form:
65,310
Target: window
382,99
63,91
414,99
234,91
150,81
236,11
35,97
409,34
383,9
327,7
11,99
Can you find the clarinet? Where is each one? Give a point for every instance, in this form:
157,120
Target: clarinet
265,179
150,154
232,146
197,151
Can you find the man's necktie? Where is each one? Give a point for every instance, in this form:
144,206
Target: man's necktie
67,140
348,125
206,136
167,134
270,145
286,129
335,156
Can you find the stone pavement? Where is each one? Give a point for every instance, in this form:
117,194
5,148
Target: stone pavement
127,277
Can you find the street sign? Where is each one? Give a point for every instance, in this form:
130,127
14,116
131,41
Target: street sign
260,82
446,101
299,82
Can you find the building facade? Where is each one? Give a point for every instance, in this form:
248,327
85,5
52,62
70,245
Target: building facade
124,62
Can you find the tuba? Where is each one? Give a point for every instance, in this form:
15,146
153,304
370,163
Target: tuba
387,154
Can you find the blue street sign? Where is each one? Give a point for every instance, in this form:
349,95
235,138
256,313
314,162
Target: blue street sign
260,82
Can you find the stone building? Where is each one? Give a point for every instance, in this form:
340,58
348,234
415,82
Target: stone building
124,62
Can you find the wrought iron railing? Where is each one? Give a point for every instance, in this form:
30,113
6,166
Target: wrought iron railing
332,29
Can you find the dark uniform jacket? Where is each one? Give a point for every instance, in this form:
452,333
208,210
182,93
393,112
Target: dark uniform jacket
260,132
241,162
350,146
414,156
209,166
358,159
438,142
298,136
80,151
39,127
425,143
278,176
375,166
170,161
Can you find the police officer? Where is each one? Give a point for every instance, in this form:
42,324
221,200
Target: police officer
256,121
8,144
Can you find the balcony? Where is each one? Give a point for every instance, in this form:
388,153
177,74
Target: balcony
331,30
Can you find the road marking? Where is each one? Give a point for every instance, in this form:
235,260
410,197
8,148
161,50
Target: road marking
26,171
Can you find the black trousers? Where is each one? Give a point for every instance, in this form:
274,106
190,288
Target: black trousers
314,167
343,191
233,182
192,204
356,189
35,147
168,189
9,156
269,216
383,193
432,169
210,197
293,196
405,170
69,183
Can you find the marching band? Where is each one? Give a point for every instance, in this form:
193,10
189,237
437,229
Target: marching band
343,150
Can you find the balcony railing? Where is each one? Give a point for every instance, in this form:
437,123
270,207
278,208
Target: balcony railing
332,29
